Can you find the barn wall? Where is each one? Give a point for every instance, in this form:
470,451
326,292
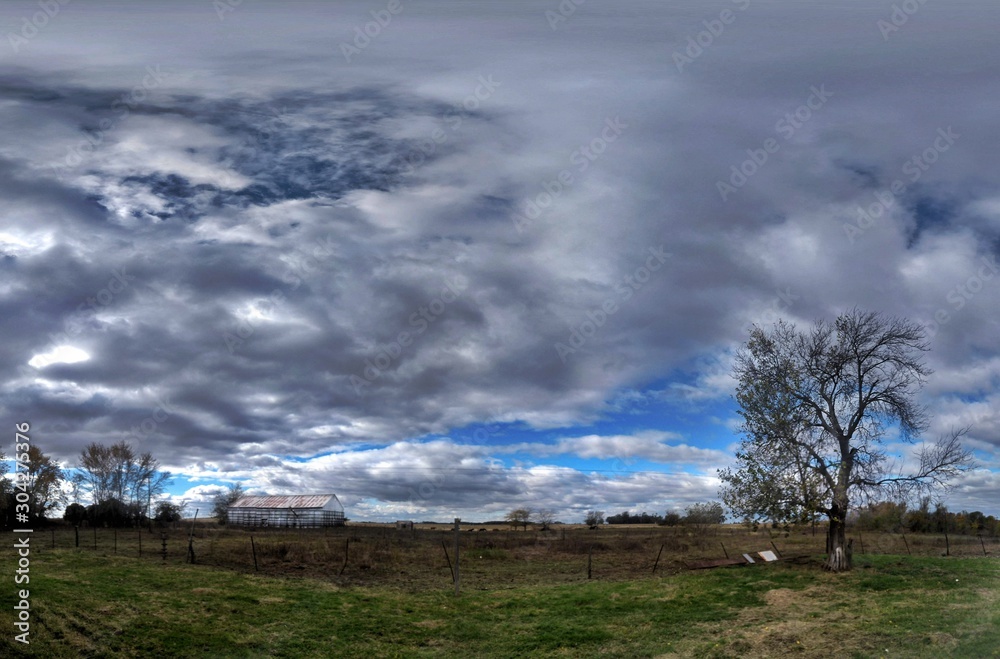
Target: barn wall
284,517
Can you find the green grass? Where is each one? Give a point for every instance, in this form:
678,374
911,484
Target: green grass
85,604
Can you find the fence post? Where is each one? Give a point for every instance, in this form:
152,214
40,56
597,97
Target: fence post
140,543
451,569
590,553
657,561
906,544
947,545
720,542
116,541
95,538
190,554
347,547
253,549
458,537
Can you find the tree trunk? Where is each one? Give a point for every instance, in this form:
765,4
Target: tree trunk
838,550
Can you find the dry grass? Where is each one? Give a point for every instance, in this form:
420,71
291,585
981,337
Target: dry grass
491,556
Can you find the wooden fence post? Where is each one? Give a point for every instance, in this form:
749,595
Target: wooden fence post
458,538
590,554
451,569
253,550
347,547
657,561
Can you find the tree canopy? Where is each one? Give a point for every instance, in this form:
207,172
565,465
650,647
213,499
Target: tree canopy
818,407
519,517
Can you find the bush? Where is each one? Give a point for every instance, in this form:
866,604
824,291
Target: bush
75,514
705,514
167,513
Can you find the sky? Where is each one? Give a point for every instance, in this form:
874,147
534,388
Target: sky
447,258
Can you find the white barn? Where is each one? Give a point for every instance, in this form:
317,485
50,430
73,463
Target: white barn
298,511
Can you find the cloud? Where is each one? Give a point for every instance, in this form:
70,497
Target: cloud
236,229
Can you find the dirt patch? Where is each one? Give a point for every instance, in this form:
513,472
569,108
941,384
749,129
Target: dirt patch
782,597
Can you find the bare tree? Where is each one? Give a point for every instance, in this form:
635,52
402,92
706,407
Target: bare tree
594,518
545,517
118,473
816,406
226,498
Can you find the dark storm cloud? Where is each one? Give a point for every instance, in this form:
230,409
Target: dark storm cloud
238,226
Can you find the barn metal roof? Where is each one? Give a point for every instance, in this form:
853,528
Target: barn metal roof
287,501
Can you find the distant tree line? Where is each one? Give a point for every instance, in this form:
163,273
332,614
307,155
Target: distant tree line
627,517
699,514
892,517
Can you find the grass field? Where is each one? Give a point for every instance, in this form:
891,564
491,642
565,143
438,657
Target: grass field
96,603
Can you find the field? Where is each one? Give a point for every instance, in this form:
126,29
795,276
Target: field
523,594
